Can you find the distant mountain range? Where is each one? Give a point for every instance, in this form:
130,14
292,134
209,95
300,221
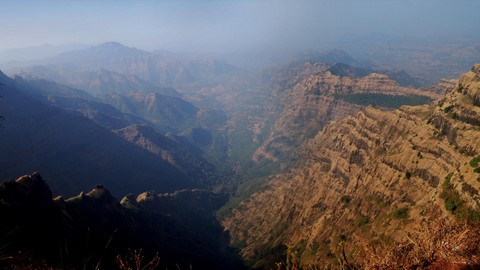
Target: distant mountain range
96,82
35,53
58,138
75,67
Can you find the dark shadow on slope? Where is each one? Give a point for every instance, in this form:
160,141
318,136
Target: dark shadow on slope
94,228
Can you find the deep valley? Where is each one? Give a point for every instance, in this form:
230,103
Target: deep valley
355,152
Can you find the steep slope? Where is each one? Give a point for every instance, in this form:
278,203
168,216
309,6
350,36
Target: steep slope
63,144
189,161
201,129
321,97
74,99
169,113
370,179
90,230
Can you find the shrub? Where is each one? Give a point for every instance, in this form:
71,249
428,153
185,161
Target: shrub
459,88
451,197
362,221
448,108
408,175
345,199
447,178
452,203
474,162
401,213
455,204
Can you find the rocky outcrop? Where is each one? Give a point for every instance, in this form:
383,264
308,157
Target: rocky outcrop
370,179
90,230
323,97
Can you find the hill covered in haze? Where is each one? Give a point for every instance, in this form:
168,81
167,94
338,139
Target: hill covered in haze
66,145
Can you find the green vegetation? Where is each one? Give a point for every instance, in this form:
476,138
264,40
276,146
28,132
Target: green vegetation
448,108
452,199
362,221
459,88
419,155
455,204
244,191
448,177
474,162
408,175
401,213
453,115
382,100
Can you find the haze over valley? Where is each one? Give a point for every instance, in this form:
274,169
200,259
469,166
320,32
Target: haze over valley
240,135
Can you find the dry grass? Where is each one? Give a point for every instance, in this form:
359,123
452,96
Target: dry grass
441,245
134,261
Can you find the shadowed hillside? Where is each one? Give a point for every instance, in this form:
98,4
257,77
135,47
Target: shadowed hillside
65,145
90,230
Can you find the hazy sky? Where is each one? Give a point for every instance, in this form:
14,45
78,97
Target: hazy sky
227,25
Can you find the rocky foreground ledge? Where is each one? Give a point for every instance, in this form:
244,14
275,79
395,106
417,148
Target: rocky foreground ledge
94,228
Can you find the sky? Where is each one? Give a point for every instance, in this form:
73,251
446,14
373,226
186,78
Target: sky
227,26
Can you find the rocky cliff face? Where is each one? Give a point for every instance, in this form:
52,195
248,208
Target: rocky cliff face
369,179
318,97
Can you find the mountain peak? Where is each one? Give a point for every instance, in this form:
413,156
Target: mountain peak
112,44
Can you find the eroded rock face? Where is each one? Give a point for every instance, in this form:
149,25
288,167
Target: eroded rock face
369,179
470,84
322,97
